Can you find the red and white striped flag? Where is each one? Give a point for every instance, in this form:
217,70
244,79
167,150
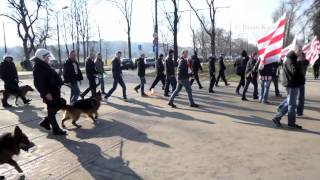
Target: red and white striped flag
312,53
287,49
270,46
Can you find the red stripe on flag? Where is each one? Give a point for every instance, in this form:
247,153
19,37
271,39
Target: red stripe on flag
273,53
276,39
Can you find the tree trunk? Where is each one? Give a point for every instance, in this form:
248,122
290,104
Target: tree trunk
84,50
175,33
129,43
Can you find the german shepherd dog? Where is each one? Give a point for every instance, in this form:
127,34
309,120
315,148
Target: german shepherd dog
88,106
10,144
23,89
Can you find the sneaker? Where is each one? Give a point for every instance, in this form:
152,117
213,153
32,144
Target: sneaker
125,99
227,84
194,105
59,133
106,97
294,126
137,91
200,87
27,101
172,105
255,97
211,91
244,99
276,121
44,123
299,115
82,96
278,95
144,95
6,105
166,95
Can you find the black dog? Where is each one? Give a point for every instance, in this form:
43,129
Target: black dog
23,89
10,145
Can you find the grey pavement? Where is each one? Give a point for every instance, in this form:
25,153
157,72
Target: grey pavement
145,139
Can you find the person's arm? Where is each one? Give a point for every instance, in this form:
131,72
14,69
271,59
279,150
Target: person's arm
39,83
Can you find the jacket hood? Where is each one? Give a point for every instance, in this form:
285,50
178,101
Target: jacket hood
292,54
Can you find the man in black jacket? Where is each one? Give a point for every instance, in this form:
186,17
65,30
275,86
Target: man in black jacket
11,81
196,66
48,83
160,73
240,66
72,75
316,67
91,72
170,73
212,72
293,79
117,76
251,75
141,73
183,78
221,74
275,78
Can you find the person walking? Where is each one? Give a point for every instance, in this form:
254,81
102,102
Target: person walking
9,75
91,73
222,69
293,79
196,66
251,75
240,66
48,83
183,81
100,69
72,75
316,67
160,74
141,73
170,74
303,63
265,76
117,77
212,72
275,77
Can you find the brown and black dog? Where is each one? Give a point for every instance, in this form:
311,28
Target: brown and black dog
23,89
88,106
10,145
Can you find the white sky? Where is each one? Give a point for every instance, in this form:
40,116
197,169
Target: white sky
249,18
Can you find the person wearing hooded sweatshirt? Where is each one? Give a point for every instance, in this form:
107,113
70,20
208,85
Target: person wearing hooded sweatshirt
316,67
222,68
196,66
240,66
100,68
160,73
9,75
48,83
251,75
91,73
293,79
212,72
170,74
141,73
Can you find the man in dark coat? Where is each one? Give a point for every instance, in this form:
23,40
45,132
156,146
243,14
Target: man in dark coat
240,66
212,72
183,78
251,75
170,73
11,81
72,75
141,73
196,66
117,76
221,74
293,79
48,83
275,77
91,73
160,73
316,67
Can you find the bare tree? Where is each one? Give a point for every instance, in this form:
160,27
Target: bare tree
125,7
25,21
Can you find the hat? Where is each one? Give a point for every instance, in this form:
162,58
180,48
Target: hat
7,56
42,54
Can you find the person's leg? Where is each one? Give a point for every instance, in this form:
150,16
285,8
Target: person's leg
174,94
292,105
255,88
262,83
52,111
218,78
188,88
223,76
123,85
300,107
142,82
101,80
75,92
5,99
191,81
246,86
167,86
155,82
212,82
239,85
163,80
114,87
198,80
174,83
282,109
266,92
93,86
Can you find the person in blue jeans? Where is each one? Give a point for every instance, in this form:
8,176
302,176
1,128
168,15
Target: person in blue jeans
266,72
183,81
293,79
141,73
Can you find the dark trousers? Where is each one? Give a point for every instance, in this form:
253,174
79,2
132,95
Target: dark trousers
222,76
141,85
301,100
196,77
254,82
316,71
159,77
51,118
241,82
170,80
275,80
92,87
116,81
212,82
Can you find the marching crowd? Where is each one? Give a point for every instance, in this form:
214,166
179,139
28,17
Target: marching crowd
173,75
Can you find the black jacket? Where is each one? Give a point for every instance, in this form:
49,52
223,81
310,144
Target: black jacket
304,66
170,66
196,65
251,71
91,69
212,66
267,70
9,72
141,67
46,80
69,74
222,67
116,68
159,66
241,65
292,73
183,69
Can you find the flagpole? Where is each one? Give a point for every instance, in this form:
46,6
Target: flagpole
4,39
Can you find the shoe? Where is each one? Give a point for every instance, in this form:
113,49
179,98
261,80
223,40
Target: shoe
227,84
299,115
278,95
200,87
194,105
172,105
276,121
44,123
217,85
106,97
27,101
137,91
266,102
237,92
211,91
256,97
166,95
59,132
244,99
125,99
82,96
144,95
294,126
6,105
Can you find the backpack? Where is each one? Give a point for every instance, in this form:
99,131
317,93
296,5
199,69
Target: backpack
240,66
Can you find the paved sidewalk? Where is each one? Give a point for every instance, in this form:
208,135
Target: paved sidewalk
145,139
